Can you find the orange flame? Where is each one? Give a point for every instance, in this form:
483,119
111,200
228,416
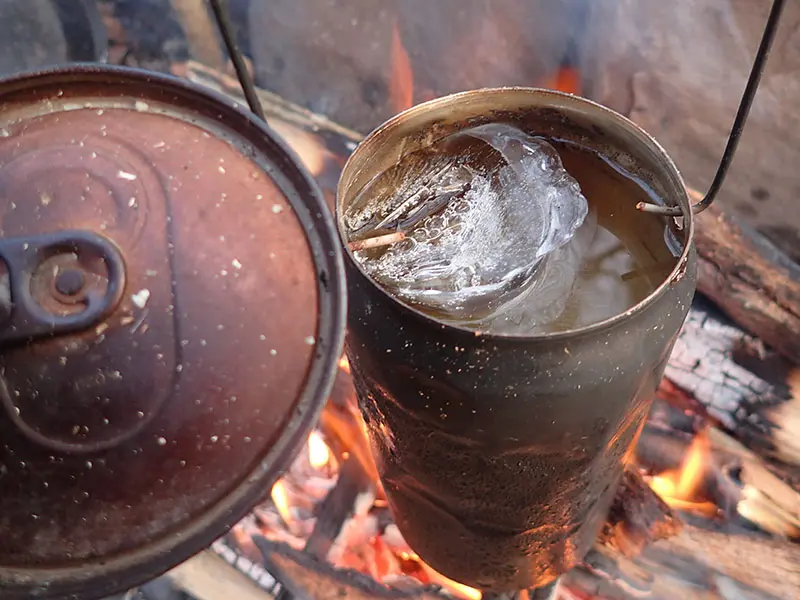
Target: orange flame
319,454
281,501
681,488
464,592
401,79
566,79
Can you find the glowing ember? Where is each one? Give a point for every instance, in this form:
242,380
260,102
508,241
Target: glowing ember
319,454
456,589
566,79
281,501
681,488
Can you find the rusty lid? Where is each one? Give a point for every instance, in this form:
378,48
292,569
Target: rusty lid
171,314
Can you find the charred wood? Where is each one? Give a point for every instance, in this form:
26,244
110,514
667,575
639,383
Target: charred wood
750,279
637,518
737,382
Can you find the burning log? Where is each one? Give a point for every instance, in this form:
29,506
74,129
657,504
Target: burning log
637,518
739,384
750,279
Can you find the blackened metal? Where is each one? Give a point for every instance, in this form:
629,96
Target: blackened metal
131,444
500,455
229,37
746,102
37,309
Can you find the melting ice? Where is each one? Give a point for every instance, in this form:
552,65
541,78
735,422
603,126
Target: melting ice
495,244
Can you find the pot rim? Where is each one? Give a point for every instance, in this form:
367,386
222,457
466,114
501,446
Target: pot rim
549,99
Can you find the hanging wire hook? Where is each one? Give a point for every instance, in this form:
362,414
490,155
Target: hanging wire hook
738,124
229,37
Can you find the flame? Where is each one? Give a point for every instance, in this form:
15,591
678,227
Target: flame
281,501
401,78
459,590
344,364
566,79
681,488
319,454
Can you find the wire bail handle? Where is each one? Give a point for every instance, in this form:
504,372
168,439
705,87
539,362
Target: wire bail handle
770,29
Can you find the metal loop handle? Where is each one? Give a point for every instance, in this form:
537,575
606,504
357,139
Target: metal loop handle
229,37
738,124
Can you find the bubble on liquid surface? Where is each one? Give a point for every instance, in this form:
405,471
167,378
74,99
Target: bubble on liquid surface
480,234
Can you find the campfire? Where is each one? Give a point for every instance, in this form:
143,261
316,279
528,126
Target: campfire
709,506
367,541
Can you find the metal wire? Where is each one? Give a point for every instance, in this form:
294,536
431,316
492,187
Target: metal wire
229,37
738,124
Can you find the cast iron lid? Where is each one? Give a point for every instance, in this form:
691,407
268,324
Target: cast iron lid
171,315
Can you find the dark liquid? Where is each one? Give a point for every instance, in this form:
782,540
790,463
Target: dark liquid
628,257
623,259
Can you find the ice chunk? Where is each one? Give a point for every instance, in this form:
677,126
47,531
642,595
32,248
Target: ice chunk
479,234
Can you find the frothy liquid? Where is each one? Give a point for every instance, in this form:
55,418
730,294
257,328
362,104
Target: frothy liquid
615,257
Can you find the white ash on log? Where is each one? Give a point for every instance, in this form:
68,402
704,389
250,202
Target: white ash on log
678,69
741,384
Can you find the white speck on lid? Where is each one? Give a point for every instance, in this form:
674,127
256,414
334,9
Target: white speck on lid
139,105
221,169
273,352
132,202
309,340
126,176
236,264
277,208
141,297
161,441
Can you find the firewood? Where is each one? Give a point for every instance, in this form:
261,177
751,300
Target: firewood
208,577
637,517
749,279
764,499
742,386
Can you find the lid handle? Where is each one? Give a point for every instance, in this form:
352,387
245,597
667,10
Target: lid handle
57,283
